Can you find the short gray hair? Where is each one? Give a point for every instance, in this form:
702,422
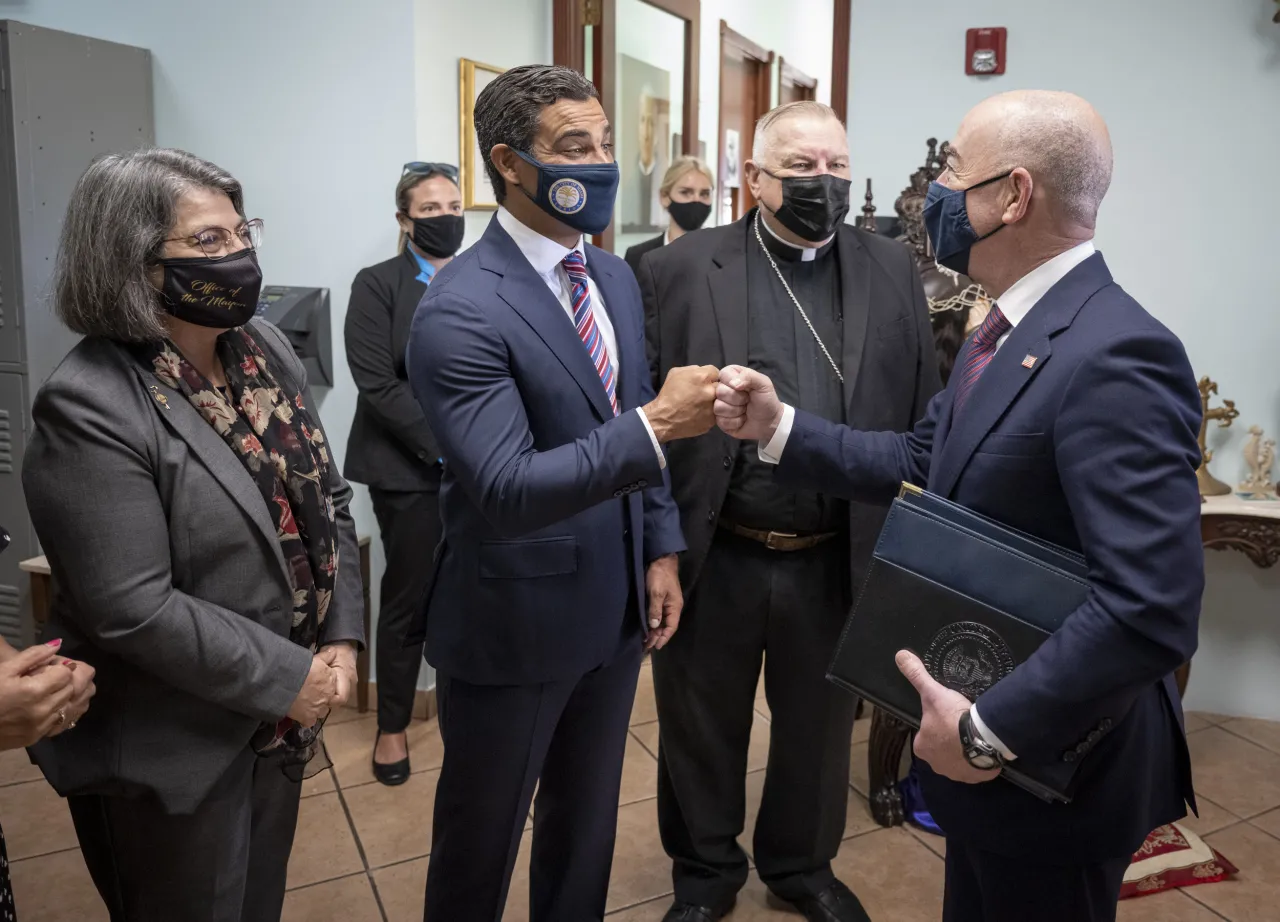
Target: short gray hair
509,109
122,210
760,146
1065,146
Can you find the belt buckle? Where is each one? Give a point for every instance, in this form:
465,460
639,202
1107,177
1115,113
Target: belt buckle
770,540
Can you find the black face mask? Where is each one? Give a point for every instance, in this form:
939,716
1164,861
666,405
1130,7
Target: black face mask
221,293
689,215
439,237
813,207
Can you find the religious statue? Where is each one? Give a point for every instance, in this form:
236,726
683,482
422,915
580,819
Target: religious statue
1210,485
956,304
1259,455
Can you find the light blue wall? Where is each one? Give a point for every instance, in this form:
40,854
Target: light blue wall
1191,92
310,105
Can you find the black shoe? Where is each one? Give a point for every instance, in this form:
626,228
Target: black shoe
390,773
687,912
834,904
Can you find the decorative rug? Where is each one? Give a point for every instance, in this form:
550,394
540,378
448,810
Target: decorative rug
1173,856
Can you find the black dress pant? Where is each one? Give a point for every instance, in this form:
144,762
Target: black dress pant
788,608
567,738
983,887
409,524
227,862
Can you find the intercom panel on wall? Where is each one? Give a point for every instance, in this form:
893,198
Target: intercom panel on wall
64,100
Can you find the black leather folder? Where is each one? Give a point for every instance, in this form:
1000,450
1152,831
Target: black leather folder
971,597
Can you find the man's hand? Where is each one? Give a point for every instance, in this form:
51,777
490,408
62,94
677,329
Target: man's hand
318,691
747,407
938,739
344,665
682,408
666,601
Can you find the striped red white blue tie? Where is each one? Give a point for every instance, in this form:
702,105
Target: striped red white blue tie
981,352
584,319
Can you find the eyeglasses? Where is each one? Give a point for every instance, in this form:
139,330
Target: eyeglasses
214,242
423,168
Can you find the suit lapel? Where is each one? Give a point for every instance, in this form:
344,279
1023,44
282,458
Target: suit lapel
528,295
727,282
1018,361
1001,383
855,291
626,364
185,421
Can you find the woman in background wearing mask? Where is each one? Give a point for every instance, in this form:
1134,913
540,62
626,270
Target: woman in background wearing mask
391,449
198,534
686,194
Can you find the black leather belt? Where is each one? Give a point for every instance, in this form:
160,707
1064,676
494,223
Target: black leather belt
778,540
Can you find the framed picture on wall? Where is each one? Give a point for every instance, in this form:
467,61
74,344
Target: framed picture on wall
477,192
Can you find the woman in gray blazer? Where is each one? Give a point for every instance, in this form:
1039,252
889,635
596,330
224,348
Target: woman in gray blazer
203,555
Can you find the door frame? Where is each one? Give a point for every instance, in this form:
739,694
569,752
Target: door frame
571,17
747,49
790,75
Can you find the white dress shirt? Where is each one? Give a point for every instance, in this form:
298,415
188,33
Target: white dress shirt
547,258
1015,304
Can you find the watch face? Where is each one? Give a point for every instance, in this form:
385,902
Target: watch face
983,761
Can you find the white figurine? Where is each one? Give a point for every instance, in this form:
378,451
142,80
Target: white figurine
1259,455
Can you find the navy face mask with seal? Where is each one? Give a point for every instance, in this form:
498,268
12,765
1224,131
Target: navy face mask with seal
946,220
579,195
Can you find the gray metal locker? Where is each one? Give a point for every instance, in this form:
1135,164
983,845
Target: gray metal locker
64,100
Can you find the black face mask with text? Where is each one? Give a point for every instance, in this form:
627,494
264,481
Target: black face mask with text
221,293
813,207
441,236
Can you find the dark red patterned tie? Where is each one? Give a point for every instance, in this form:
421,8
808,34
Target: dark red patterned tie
981,353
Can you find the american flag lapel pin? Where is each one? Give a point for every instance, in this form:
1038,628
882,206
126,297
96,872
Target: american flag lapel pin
1029,361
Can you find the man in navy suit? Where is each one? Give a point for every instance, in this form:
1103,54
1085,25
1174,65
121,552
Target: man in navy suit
1073,416
527,354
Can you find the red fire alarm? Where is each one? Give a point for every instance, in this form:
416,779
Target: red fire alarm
984,51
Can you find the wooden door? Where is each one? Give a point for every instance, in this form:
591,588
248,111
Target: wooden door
793,84
745,75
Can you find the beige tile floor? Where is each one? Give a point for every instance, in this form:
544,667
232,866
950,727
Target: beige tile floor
362,848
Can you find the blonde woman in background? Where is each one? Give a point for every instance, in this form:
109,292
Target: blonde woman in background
686,195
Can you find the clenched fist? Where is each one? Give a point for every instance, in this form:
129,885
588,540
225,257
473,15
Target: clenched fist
682,408
747,407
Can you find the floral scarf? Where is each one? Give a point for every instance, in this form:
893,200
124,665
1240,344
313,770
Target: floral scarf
270,430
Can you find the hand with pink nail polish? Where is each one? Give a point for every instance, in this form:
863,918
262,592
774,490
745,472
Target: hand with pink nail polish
36,694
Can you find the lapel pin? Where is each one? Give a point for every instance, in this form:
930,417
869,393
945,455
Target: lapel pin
1029,361
160,398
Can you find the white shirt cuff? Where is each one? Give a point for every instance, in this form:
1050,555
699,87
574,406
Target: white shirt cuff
771,453
657,446
990,737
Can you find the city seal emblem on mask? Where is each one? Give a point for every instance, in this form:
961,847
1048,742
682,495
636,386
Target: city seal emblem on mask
567,196
968,657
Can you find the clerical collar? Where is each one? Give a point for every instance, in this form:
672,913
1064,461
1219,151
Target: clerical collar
789,252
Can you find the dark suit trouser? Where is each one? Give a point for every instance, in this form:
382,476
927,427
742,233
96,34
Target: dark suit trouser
226,862
750,602
567,738
983,887
409,524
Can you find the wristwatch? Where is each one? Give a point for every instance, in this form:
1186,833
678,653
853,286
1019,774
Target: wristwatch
977,751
